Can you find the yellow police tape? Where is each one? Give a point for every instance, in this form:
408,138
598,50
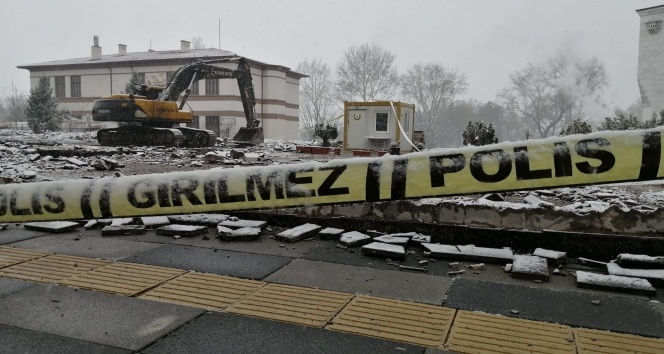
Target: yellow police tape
596,158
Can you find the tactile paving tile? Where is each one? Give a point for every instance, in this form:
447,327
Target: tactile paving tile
474,332
10,255
209,291
293,304
52,268
594,341
396,320
123,278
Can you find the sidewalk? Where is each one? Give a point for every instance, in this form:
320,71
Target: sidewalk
163,295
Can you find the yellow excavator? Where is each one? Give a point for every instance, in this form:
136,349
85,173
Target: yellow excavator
150,115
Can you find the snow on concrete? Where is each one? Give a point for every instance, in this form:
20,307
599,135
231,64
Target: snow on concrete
639,261
530,267
238,224
298,233
393,240
614,283
182,230
51,226
155,221
656,275
198,219
385,250
331,231
121,221
471,253
553,257
354,238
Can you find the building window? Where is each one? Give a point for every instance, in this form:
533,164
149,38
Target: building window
59,86
194,123
653,26
211,87
406,122
381,122
140,77
76,86
194,89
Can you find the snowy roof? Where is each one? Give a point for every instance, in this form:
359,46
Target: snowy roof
149,58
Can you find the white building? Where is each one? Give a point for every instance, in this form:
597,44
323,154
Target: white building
651,60
373,125
215,103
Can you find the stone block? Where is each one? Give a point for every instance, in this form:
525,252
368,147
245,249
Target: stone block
393,240
123,230
182,230
152,222
198,219
52,226
640,261
470,253
242,234
354,239
530,267
554,258
238,224
615,283
330,233
384,250
298,233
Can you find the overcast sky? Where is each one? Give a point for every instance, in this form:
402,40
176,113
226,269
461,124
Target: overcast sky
487,40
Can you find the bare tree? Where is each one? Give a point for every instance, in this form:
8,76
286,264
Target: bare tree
433,88
317,103
553,94
198,43
366,73
15,102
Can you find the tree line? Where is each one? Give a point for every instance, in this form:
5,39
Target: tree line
540,100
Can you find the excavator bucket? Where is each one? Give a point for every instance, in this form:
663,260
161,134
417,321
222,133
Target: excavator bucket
253,136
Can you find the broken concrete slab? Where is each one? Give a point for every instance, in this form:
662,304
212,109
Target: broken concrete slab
393,240
555,258
75,161
121,221
471,253
198,219
152,222
238,224
374,233
494,197
298,233
123,230
354,239
640,261
330,233
530,267
384,250
615,283
52,226
655,276
592,263
242,234
182,230
533,200
421,239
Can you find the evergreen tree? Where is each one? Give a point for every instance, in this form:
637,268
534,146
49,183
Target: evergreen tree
129,86
478,134
621,123
654,122
42,111
577,126
326,132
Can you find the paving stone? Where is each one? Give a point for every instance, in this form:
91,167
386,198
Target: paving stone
10,286
354,239
19,340
152,222
554,258
384,250
530,267
470,253
243,234
52,226
656,276
123,230
198,219
616,283
297,233
330,233
238,224
639,261
182,230
393,240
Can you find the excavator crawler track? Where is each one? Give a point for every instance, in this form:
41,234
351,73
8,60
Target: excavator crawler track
140,136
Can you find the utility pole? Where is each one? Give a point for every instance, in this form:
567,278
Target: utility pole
219,32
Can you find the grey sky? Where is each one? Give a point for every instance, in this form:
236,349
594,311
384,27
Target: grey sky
486,40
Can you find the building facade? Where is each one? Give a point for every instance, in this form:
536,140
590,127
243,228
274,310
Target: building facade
374,125
215,103
651,60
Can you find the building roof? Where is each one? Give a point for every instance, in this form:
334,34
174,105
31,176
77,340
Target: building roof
149,58
650,8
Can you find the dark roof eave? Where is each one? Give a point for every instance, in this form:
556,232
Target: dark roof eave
649,8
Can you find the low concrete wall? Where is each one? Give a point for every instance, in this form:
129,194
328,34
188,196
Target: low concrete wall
502,215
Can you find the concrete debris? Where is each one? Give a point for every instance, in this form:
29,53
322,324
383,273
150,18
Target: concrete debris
596,302
454,264
476,266
101,165
241,234
198,219
514,312
532,199
421,239
28,174
384,250
508,267
90,224
238,224
152,222
182,230
655,276
393,240
592,263
75,161
557,271
640,261
616,283
417,269
121,221
470,253
456,272
530,267
3,226
374,233
330,233
423,262
236,154
212,158
494,197
123,230
354,239
298,233
554,258
52,226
